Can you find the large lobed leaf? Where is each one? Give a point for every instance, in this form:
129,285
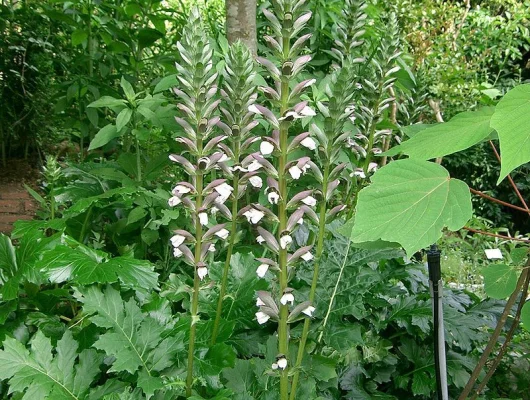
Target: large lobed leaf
137,342
410,202
511,120
86,266
41,375
461,132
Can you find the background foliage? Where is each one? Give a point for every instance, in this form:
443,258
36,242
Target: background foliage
93,303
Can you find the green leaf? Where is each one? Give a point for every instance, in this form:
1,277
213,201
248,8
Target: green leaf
525,316
422,384
136,215
127,89
413,130
410,202
499,280
344,337
166,83
79,36
8,259
107,101
123,118
64,263
147,36
461,132
93,116
241,378
134,339
132,9
519,255
104,136
511,120
322,368
149,384
37,372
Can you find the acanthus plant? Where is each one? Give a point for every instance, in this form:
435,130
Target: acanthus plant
374,108
237,122
288,165
201,196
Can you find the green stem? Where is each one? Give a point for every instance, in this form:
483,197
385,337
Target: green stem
332,299
52,203
283,328
85,224
224,280
318,255
196,280
371,130
139,161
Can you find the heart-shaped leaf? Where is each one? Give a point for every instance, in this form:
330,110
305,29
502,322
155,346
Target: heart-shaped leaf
511,121
499,280
410,202
461,132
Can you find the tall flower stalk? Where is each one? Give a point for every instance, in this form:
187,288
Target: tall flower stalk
199,157
239,94
288,210
331,138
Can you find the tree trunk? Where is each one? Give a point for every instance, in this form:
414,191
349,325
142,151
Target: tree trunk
241,22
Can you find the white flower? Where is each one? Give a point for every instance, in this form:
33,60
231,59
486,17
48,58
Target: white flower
202,272
359,172
372,167
274,366
177,240
285,241
254,166
309,201
309,143
259,302
204,160
203,218
223,158
211,248
300,221
224,190
295,172
256,181
282,363
238,168
309,310
266,148
253,109
262,270
180,190
273,197
174,201
262,317
260,239
222,233
287,298
307,256
177,253
358,86
307,112
253,215
304,112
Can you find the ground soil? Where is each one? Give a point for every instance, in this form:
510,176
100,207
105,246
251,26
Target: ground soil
15,202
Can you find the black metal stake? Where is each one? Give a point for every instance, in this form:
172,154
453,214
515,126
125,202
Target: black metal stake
435,283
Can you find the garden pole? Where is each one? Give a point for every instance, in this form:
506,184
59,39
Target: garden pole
435,283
